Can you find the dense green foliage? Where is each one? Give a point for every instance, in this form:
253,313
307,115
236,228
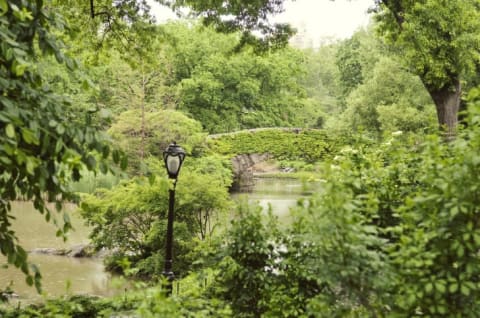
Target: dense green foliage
394,230
161,128
44,143
283,144
227,91
393,233
391,99
246,17
130,219
439,42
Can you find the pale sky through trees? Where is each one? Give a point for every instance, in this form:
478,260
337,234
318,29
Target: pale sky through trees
317,19
325,18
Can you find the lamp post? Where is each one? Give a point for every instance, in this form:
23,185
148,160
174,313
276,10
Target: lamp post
173,157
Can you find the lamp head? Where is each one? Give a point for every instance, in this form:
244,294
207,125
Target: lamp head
173,157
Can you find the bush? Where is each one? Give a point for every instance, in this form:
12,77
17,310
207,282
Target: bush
130,219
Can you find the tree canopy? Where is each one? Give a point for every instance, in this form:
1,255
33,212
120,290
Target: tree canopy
440,43
44,143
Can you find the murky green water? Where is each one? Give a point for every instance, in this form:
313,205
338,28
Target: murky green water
279,194
63,275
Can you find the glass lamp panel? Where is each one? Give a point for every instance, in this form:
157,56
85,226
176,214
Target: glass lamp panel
173,164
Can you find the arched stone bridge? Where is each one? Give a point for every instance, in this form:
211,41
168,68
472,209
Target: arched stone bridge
243,164
242,167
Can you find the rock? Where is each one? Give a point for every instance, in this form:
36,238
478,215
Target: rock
49,251
78,251
81,250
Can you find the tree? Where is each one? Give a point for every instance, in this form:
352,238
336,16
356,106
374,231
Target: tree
227,90
160,129
44,144
439,41
391,99
241,16
349,65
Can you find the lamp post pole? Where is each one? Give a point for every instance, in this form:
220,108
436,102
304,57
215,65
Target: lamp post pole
173,157
167,271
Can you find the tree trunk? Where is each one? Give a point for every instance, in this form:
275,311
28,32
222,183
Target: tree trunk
447,103
142,105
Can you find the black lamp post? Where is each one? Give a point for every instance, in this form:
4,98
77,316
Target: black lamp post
173,157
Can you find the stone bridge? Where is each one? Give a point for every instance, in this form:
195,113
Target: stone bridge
243,168
243,164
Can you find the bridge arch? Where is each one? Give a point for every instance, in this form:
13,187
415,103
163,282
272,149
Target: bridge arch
246,148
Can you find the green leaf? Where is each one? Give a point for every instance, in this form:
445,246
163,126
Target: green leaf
103,167
91,162
10,131
440,287
30,165
29,137
60,129
453,287
3,7
116,156
19,67
124,162
29,280
428,287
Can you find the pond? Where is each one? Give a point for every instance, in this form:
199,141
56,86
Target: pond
63,275
279,193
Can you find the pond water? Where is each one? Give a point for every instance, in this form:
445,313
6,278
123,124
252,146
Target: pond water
63,275
279,194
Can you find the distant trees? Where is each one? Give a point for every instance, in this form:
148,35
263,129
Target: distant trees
362,86
228,91
439,40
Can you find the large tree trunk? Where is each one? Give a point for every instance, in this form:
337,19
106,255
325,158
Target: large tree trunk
447,102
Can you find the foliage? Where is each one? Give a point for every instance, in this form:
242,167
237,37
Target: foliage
130,219
339,239
390,100
437,252
227,91
90,182
321,84
161,128
283,144
439,42
349,65
438,39
39,152
252,276
139,302
246,17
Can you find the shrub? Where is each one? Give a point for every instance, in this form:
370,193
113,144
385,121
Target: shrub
130,219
